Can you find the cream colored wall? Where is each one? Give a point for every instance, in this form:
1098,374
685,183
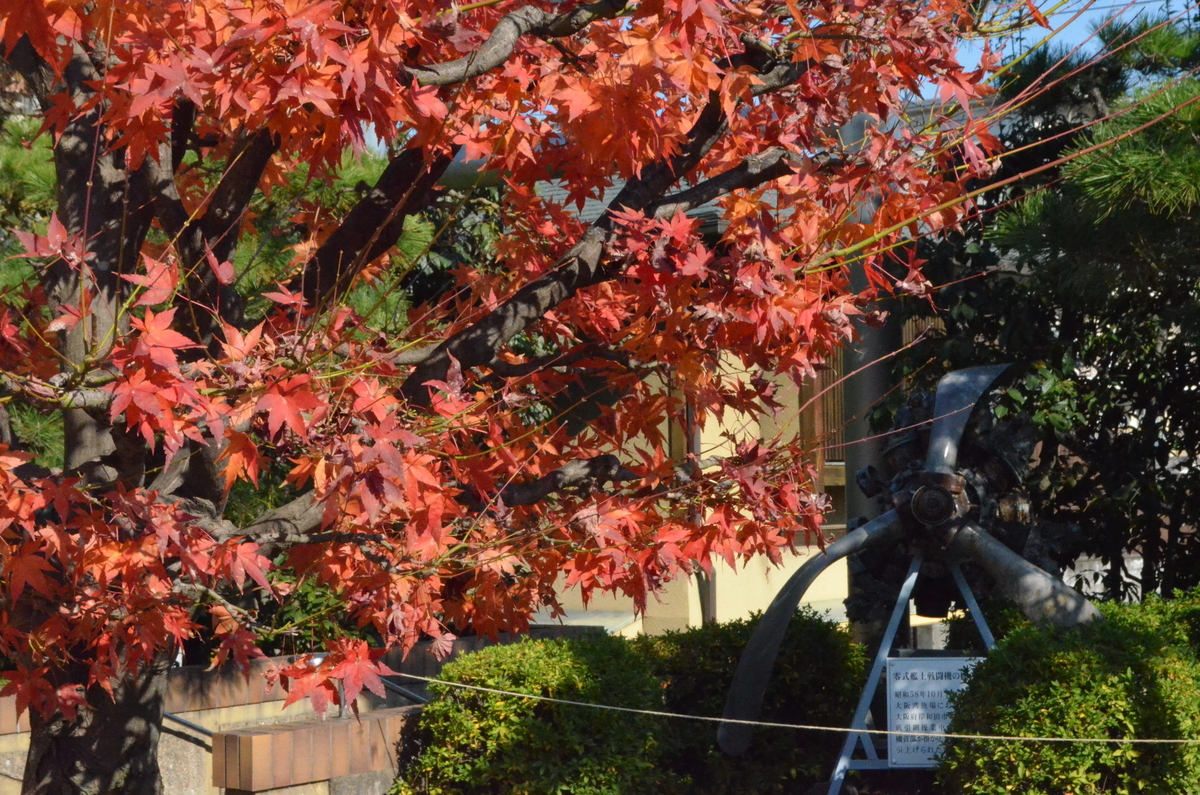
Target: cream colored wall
676,607
12,762
751,586
751,589
739,593
185,757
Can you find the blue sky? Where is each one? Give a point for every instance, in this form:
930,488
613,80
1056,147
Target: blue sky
1078,30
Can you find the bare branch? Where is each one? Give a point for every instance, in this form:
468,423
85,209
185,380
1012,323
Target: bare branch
53,396
657,177
575,474
286,524
183,121
31,66
405,187
215,233
779,76
202,593
413,356
233,193
750,173
507,370
477,346
581,267
508,31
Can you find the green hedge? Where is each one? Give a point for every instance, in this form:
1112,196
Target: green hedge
817,680
1135,675
474,743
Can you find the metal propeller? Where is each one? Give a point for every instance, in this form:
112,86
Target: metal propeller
932,508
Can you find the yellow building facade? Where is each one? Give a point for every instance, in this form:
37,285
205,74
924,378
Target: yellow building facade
815,413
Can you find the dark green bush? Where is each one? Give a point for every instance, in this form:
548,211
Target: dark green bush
1181,614
1001,615
473,742
817,681
1135,675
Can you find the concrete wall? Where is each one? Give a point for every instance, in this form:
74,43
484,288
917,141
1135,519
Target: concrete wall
259,743
218,701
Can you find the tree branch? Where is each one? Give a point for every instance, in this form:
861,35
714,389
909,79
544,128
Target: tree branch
405,187
656,178
581,267
183,121
477,346
276,528
507,370
779,76
202,593
753,171
587,474
31,66
51,396
233,193
412,356
503,40
216,232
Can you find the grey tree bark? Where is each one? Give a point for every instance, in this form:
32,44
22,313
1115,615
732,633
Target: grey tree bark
110,748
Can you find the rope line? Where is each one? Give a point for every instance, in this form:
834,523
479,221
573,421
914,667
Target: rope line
801,726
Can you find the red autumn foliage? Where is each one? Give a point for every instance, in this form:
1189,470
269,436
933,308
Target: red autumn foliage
432,501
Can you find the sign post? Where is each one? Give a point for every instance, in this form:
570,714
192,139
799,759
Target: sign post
916,697
916,692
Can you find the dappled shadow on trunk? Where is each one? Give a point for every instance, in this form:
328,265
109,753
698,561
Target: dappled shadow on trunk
109,749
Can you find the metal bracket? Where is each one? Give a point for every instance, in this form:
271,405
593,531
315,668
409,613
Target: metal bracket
855,736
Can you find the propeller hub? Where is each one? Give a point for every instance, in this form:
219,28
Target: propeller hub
934,501
933,505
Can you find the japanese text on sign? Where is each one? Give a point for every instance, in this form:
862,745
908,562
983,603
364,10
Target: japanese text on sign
917,688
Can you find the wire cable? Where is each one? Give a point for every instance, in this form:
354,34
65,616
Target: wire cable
801,726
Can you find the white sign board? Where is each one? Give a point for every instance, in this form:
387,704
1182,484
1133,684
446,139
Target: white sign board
917,688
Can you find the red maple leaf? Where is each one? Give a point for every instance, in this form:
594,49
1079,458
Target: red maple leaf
160,281
29,568
308,677
242,458
222,270
239,645
158,341
284,403
27,17
357,666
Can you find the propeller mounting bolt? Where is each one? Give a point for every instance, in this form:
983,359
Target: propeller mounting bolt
933,505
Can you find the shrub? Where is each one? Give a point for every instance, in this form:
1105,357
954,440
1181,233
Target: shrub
1002,618
1134,675
817,680
474,742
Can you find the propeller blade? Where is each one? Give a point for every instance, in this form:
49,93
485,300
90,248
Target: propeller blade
1043,599
957,394
744,701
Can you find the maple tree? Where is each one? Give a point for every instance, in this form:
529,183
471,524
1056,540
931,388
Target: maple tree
444,477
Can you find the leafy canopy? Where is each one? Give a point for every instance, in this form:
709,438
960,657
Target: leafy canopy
506,423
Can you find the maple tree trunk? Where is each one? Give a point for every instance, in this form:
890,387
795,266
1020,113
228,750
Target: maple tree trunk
109,749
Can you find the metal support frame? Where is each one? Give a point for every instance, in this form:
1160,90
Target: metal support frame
404,691
856,737
989,642
193,726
